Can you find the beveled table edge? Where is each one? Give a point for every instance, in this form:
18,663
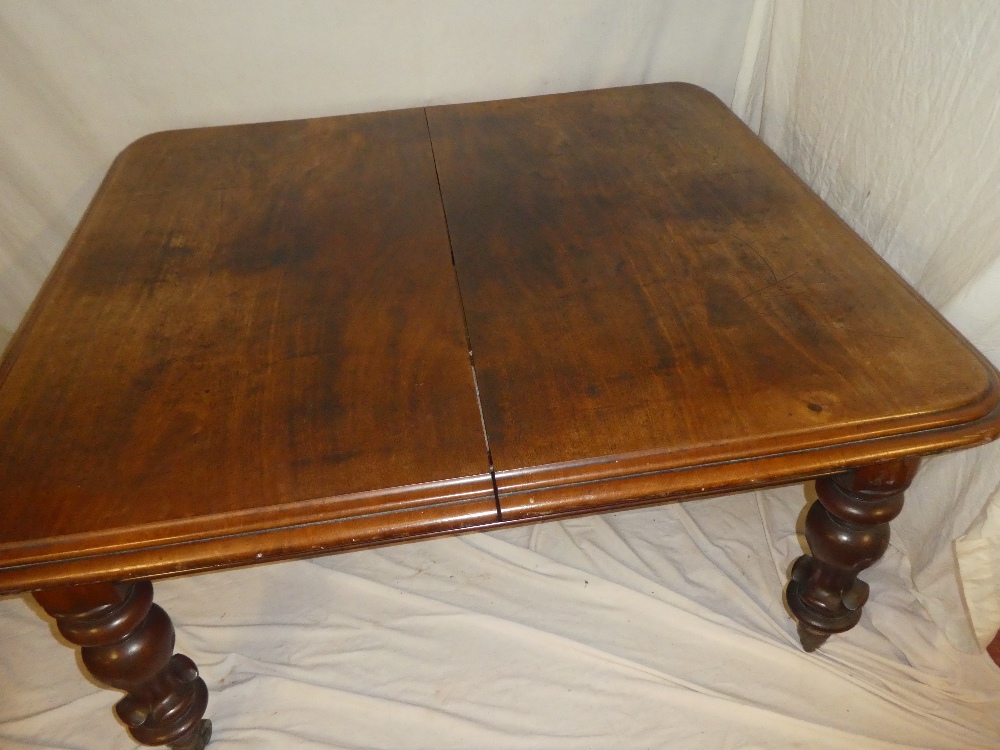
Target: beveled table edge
624,482
951,423
601,483
224,540
477,511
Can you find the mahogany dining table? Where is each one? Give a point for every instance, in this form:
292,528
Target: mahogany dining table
290,339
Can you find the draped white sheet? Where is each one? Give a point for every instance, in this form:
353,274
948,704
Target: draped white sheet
656,628
890,112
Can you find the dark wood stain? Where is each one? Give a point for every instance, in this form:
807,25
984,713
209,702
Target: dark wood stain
249,317
647,286
256,347
253,347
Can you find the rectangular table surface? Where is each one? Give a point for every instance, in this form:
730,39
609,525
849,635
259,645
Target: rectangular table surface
287,339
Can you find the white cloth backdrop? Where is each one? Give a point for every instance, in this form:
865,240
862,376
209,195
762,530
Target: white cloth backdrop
889,110
657,628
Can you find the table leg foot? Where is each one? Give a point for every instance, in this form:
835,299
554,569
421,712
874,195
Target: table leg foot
847,529
199,739
127,642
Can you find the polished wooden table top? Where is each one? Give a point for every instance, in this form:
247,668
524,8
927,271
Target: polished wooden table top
287,339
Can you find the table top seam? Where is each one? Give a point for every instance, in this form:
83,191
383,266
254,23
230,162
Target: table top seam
465,321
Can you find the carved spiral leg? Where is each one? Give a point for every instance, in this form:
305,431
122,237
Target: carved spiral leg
128,643
848,531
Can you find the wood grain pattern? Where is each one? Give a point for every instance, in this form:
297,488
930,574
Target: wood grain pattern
254,347
254,327
651,295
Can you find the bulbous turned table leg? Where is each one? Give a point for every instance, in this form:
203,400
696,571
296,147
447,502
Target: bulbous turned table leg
848,531
128,643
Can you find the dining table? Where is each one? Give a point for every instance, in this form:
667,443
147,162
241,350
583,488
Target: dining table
290,339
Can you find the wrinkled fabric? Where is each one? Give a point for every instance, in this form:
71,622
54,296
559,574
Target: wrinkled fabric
653,628
889,111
